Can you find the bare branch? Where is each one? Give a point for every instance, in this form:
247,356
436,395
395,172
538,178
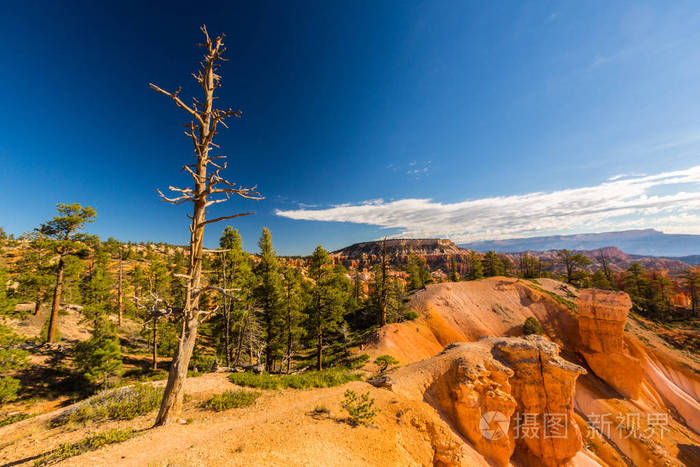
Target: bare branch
178,101
178,200
218,219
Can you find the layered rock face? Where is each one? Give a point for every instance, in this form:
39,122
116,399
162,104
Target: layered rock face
435,251
602,316
543,385
488,389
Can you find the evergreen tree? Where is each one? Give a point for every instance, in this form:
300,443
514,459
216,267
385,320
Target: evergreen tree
573,263
328,295
691,287
529,267
600,281
635,282
492,265
138,280
7,304
357,297
63,237
99,358
11,358
234,272
36,275
454,275
476,269
293,302
97,288
268,295
418,273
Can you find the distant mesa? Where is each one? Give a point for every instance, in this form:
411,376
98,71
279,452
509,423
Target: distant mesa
437,252
646,242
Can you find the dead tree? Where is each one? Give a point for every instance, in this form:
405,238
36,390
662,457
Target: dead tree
154,308
209,188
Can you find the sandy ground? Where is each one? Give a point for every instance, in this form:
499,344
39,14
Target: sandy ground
281,429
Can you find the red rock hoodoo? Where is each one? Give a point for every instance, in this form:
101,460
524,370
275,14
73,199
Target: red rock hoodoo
601,319
500,380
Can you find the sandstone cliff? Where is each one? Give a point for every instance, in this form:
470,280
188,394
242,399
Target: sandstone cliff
490,389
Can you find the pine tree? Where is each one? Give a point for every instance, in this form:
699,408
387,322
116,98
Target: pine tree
573,263
268,295
99,358
7,303
11,358
454,275
492,265
418,273
476,270
97,288
234,272
293,302
36,275
691,286
63,237
600,281
328,296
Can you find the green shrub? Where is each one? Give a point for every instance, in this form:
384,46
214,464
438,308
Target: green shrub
14,418
532,326
121,404
411,315
99,358
384,362
357,361
311,379
321,410
203,363
361,409
9,387
231,400
11,358
91,443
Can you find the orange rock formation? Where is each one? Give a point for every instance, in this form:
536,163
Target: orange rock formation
479,386
601,320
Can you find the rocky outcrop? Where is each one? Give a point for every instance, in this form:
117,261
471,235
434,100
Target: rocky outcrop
543,385
488,388
601,320
436,252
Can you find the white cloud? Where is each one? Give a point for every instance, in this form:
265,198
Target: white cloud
618,203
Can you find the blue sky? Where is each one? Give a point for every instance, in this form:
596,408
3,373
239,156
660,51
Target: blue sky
467,120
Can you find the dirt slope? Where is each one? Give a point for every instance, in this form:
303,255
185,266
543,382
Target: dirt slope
670,380
280,429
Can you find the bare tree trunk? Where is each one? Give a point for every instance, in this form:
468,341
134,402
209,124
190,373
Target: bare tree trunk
120,291
227,312
319,331
37,305
289,341
319,362
53,319
155,343
202,129
171,406
241,337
